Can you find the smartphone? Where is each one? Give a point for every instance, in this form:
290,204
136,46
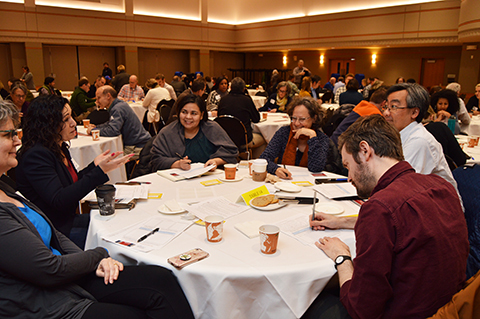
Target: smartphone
188,258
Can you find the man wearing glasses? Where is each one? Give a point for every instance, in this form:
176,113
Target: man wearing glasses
18,96
405,108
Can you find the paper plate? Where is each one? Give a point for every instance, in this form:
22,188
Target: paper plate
329,208
288,187
237,179
164,210
278,205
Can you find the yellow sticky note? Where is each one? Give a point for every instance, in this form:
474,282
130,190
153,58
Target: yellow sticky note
302,183
259,191
211,182
154,195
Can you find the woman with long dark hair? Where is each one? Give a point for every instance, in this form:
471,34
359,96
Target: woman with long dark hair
46,174
219,90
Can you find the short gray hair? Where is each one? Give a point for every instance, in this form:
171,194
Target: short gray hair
454,86
417,97
8,110
19,86
238,85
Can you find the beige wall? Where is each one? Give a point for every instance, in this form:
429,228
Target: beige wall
153,61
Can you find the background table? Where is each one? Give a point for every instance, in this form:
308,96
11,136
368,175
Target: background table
259,101
84,150
474,152
139,110
237,280
271,125
252,92
473,128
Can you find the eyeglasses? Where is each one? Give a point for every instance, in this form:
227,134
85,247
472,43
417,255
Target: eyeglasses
300,119
20,96
282,91
393,108
11,133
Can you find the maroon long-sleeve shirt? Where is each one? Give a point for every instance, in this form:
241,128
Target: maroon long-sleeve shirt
412,248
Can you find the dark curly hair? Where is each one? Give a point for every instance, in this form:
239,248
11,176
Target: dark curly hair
43,123
450,96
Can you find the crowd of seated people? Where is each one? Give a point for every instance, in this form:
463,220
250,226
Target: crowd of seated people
420,147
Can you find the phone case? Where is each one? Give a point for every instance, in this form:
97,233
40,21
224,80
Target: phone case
187,258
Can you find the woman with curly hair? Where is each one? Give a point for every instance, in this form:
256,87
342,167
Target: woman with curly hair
219,90
302,143
445,104
46,174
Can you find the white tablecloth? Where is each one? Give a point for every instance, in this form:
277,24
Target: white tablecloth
236,280
473,152
473,128
84,150
252,92
271,125
326,106
139,110
259,101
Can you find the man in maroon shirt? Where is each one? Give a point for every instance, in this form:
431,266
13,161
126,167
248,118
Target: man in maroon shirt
411,235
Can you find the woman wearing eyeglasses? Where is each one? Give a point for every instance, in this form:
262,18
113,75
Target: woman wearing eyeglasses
300,144
46,174
278,101
45,275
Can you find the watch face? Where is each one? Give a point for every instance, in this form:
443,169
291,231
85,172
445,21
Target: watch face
339,259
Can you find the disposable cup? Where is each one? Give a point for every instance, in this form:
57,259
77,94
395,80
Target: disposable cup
20,133
214,228
96,135
264,115
268,238
230,170
106,199
259,170
472,140
86,123
250,163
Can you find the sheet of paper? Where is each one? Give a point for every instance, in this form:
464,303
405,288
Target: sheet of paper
168,230
298,171
297,226
336,190
196,169
192,195
123,193
216,206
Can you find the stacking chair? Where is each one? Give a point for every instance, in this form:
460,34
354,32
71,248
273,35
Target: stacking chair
236,131
468,183
163,108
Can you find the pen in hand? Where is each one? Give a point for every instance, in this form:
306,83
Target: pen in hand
181,157
285,167
313,209
148,235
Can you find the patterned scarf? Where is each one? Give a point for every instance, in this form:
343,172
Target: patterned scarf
291,150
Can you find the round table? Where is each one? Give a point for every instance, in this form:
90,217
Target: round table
259,101
139,110
473,152
236,280
474,127
84,149
252,92
271,125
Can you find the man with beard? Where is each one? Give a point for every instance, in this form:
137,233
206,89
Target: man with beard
411,235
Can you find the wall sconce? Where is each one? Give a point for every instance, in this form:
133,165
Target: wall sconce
322,59
374,59
284,60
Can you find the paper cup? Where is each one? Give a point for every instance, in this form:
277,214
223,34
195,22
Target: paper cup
268,239
230,170
96,135
264,115
20,133
250,163
214,228
259,170
86,123
106,199
476,140
471,141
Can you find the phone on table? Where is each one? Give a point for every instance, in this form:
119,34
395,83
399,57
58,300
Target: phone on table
188,258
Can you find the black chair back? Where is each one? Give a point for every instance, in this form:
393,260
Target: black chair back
235,130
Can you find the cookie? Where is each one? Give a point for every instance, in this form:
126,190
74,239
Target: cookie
263,201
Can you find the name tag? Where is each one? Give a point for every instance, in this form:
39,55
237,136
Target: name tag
272,101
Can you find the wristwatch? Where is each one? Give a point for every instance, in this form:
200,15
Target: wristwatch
340,259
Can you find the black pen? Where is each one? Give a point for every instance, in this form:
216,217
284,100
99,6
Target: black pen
313,209
147,235
181,157
285,168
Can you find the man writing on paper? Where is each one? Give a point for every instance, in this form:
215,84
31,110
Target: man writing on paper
411,236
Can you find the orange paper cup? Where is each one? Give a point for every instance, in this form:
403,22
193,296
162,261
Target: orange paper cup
20,133
230,170
472,140
269,238
264,115
214,228
96,135
86,123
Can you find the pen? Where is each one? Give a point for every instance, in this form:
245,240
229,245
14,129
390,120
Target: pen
179,155
147,235
330,180
285,168
313,209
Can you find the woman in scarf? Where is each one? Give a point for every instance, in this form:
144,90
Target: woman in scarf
300,144
278,101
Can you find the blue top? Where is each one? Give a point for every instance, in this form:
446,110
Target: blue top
41,225
199,148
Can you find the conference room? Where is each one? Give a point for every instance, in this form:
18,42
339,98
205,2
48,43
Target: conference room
322,252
